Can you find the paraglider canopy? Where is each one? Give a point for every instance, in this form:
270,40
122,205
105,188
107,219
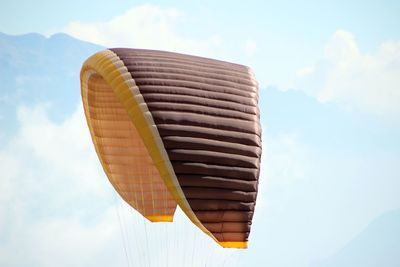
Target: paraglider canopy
176,129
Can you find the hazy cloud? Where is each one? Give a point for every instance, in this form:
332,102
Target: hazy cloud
250,47
57,206
146,26
355,80
51,191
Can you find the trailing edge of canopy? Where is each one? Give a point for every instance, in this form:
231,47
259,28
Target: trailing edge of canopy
112,69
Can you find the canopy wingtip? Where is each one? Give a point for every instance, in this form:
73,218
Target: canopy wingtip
160,218
234,244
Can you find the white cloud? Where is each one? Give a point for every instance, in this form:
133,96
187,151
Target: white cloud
65,242
58,208
146,26
285,163
287,159
57,144
52,192
250,47
355,80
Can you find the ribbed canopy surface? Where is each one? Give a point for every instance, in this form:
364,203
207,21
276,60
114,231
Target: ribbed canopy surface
198,144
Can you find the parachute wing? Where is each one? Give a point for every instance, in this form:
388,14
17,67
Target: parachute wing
175,129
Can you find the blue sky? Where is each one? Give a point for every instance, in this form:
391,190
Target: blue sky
291,35
329,78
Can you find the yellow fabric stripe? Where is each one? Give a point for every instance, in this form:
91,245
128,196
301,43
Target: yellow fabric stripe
233,244
160,218
107,64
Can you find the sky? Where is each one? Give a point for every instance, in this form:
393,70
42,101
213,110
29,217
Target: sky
329,76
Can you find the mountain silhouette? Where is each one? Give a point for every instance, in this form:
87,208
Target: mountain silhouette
40,70
377,246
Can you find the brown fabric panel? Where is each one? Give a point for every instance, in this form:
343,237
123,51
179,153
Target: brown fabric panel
249,174
198,86
200,109
206,112
228,236
232,227
218,204
167,130
159,57
224,216
218,193
204,156
172,142
190,70
178,68
163,57
135,64
174,94
139,55
194,180
195,77
170,117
